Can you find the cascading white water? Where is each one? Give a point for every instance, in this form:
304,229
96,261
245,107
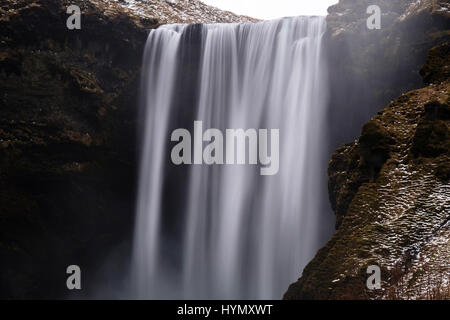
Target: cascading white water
242,235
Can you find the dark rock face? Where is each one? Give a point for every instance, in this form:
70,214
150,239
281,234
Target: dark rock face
435,70
67,143
353,165
390,191
68,147
370,68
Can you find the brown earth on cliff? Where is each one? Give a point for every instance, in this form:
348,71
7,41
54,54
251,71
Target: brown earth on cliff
390,190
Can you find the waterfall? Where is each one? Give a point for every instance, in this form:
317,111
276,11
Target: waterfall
225,231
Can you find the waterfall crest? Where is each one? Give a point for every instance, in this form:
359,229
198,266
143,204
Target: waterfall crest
225,231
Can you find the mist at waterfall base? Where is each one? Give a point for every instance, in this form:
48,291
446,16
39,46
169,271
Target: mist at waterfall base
225,231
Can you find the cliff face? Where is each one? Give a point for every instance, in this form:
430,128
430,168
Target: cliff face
173,11
370,68
68,153
350,16
390,190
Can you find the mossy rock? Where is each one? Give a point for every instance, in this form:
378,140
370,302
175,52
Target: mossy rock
375,143
432,139
148,22
436,68
443,169
435,110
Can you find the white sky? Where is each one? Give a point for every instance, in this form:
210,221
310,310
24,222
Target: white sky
270,9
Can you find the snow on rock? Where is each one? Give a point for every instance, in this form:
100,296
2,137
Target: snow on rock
172,11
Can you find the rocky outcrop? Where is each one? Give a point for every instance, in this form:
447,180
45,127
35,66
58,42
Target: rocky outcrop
350,16
68,153
390,190
370,68
175,11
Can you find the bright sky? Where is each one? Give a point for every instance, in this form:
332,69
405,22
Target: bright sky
270,9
